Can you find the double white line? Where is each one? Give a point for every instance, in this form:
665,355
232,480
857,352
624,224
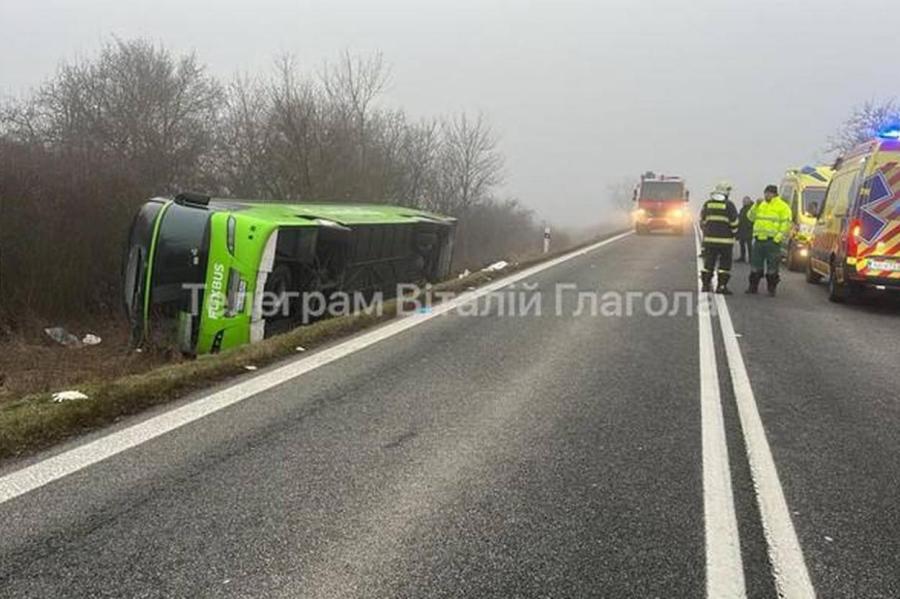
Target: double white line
724,566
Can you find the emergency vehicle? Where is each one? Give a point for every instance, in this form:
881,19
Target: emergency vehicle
661,203
856,239
804,191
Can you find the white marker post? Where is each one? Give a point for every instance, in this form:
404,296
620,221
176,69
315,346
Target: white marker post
546,240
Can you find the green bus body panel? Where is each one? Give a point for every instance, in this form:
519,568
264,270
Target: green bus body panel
251,235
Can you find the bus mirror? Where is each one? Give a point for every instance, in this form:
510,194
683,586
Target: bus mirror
634,195
687,195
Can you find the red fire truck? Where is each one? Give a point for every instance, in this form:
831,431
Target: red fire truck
661,203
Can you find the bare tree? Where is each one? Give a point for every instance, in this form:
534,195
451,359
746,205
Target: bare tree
135,101
470,165
419,157
354,82
863,124
243,163
352,85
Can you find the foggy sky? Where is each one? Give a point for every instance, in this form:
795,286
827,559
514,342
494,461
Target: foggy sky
582,93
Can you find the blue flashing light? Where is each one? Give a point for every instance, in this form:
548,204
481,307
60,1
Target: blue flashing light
890,133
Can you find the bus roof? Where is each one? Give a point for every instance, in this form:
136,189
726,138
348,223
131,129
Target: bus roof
313,213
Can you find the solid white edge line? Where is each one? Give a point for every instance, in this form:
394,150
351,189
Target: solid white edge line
792,579
724,564
53,468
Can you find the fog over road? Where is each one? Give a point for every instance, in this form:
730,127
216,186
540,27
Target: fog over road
534,456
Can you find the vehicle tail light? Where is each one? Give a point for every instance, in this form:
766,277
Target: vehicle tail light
853,236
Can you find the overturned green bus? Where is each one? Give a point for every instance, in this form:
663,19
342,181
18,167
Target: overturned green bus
197,270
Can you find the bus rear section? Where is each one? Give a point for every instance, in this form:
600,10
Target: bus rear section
661,204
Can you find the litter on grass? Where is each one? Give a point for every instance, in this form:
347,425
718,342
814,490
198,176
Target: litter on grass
61,396
91,339
496,266
63,337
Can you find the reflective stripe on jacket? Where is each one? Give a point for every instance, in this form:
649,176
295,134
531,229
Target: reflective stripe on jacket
718,221
771,219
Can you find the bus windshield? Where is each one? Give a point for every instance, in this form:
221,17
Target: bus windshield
181,253
662,190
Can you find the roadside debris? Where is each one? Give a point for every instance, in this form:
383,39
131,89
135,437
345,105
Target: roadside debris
61,396
464,274
496,266
63,337
250,367
300,348
67,339
91,339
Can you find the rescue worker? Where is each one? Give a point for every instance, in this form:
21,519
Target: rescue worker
745,230
718,221
771,223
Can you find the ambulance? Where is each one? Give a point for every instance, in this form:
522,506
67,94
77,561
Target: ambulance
661,203
804,190
856,238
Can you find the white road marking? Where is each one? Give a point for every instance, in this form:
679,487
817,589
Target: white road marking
724,565
788,566
53,468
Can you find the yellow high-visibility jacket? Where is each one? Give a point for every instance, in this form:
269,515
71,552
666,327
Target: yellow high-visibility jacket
771,219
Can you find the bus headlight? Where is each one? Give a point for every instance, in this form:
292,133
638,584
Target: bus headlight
230,234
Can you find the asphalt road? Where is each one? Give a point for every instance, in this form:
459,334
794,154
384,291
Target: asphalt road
501,455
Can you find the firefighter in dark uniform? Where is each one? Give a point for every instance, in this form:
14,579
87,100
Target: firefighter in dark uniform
719,223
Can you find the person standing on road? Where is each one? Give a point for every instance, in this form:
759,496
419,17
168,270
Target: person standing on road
718,221
745,230
771,218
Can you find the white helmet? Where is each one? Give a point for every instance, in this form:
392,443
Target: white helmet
724,187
